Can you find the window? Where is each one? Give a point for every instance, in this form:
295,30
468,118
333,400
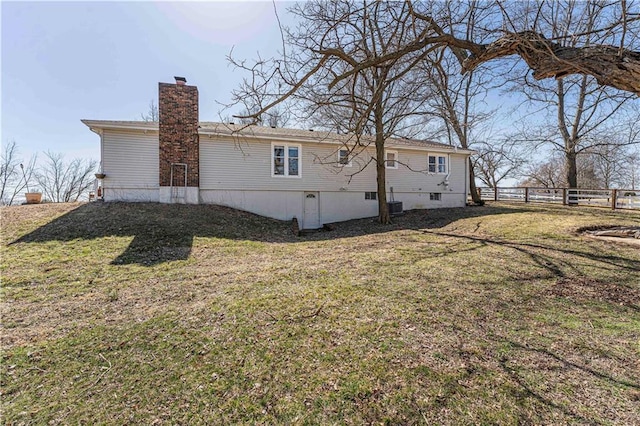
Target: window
285,160
391,159
435,196
343,157
370,195
437,164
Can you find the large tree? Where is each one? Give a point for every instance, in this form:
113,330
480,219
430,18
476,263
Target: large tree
582,42
372,104
614,60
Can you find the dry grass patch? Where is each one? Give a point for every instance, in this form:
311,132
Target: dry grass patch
146,313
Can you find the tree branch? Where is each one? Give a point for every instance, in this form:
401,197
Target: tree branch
610,66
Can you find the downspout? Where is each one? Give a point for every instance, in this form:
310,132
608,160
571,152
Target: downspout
100,185
466,180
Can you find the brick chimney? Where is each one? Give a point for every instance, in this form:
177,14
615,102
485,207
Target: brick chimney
179,143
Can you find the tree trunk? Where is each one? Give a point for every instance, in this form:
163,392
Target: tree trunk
572,176
381,176
572,169
383,208
472,185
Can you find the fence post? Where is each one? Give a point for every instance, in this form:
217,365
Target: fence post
526,194
564,196
614,198
495,193
479,191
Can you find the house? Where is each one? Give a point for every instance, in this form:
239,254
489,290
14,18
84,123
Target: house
317,177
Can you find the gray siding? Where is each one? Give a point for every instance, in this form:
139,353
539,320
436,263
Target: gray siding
130,160
130,163
227,165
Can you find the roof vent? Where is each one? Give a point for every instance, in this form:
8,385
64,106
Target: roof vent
180,81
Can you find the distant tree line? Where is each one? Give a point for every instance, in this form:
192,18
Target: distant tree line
59,180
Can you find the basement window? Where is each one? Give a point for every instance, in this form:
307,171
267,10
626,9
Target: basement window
435,196
285,160
438,164
370,195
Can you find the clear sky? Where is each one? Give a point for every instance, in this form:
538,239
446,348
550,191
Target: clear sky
65,61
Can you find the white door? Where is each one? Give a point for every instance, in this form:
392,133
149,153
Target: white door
311,218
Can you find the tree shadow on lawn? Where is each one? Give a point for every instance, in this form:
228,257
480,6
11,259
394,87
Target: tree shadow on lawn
528,365
511,366
165,232
536,253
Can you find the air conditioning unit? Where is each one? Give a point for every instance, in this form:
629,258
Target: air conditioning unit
395,207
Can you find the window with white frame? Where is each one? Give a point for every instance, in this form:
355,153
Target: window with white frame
391,159
344,159
438,164
285,160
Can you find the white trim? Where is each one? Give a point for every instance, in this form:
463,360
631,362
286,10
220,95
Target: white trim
98,125
386,159
286,160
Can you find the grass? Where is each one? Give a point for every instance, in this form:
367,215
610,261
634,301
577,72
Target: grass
157,314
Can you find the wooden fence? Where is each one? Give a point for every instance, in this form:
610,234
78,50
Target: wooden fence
609,198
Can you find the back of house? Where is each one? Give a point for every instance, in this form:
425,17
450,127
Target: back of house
317,177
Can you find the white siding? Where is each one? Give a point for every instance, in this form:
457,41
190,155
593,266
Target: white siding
334,206
247,166
130,161
239,175
131,195
227,165
283,205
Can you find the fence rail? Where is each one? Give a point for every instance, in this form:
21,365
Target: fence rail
609,198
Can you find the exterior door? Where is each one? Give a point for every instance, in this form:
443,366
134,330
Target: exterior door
311,218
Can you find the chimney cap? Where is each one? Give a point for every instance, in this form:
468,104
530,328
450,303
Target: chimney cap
180,80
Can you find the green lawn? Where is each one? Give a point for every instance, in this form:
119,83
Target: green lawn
157,314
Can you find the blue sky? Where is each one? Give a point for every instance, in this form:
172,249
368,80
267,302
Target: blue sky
64,61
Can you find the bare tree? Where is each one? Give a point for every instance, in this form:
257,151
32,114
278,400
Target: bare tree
458,99
609,164
581,108
632,167
153,114
63,182
378,101
15,174
614,61
494,163
589,44
546,174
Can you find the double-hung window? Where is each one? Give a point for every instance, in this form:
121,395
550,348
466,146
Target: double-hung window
285,160
343,157
391,159
437,164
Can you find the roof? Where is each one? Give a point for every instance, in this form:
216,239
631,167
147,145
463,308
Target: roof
280,133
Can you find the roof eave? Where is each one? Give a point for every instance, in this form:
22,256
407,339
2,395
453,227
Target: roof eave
311,139
99,124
